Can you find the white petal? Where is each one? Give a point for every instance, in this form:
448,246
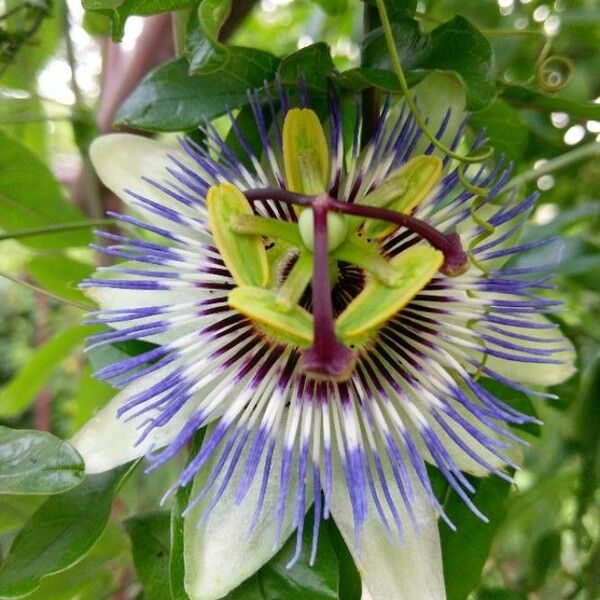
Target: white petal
118,299
389,569
543,374
219,554
122,159
107,441
462,460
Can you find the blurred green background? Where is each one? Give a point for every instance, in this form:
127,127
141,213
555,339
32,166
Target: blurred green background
547,546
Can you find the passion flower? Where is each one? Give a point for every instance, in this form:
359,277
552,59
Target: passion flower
329,311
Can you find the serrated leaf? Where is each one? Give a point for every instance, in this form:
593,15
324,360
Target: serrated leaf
30,197
35,462
170,99
60,533
150,541
22,389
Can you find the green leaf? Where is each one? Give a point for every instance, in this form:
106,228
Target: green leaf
169,99
15,510
60,533
120,10
22,70
60,275
35,462
182,497
350,584
465,551
31,197
545,558
397,9
455,47
312,63
21,119
150,542
90,396
505,129
107,355
530,98
333,7
202,47
274,581
22,390
89,578
517,400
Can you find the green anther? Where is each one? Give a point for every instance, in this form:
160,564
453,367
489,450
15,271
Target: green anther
305,152
414,181
260,305
336,229
266,227
377,303
358,252
244,255
296,282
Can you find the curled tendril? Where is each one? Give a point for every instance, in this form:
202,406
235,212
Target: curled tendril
552,73
479,155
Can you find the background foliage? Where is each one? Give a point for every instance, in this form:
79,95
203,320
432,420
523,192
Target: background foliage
62,80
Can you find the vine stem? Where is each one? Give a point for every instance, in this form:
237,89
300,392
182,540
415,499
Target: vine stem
393,51
61,227
590,150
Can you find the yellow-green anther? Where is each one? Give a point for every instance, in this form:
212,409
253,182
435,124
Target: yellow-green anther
377,303
336,229
245,256
415,179
358,252
266,227
260,305
296,282
305,152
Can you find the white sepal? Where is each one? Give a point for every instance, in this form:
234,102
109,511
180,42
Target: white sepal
219,552
390,569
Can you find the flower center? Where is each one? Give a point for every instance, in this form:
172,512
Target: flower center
327,232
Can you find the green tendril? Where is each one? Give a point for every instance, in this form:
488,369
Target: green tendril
477,157
547,67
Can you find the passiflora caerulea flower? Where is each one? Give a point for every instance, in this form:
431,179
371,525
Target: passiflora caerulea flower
328,311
